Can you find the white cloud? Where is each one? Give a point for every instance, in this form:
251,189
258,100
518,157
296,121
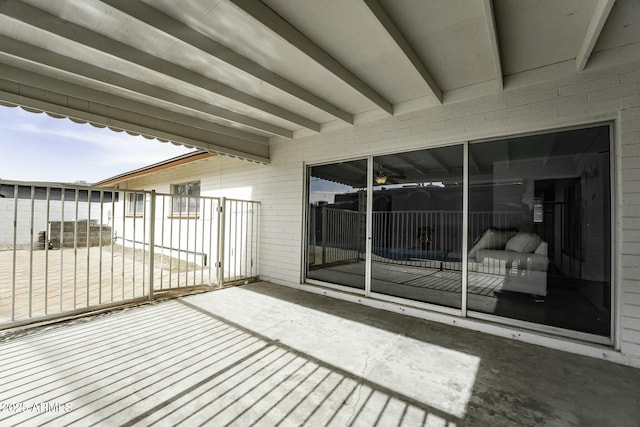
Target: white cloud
37,147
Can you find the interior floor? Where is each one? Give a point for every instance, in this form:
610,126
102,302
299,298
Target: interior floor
563,307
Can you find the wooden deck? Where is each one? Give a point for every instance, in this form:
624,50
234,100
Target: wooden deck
55,281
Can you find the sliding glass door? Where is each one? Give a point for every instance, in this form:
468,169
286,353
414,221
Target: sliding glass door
417,225
336,226
538,229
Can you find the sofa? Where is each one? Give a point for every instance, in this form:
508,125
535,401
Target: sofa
521,257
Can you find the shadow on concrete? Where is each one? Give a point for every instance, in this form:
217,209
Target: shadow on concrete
175,363
516,383
266,355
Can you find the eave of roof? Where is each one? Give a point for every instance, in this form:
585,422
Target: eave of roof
165,164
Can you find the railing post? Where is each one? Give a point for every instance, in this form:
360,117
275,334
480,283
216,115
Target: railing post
15,243
33,199
221,238
324,235
441,230
152,241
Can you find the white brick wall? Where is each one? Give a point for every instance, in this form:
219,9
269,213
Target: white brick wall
629,278
588,98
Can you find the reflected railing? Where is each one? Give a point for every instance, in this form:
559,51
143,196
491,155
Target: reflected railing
415,238
336,237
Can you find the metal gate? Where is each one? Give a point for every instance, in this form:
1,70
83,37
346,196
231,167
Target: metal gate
68,249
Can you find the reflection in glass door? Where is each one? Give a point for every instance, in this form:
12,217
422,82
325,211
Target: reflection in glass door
336,223
417,226
540,229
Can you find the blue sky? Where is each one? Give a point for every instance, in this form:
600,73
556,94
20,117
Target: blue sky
37,147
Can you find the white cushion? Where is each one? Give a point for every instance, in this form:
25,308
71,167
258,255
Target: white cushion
542,249
523,242
491,239
492,258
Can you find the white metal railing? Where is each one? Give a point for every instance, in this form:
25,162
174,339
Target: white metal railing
65,249
341,236
416,237
402,237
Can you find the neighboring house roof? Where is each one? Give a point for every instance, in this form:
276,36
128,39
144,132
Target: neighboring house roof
165,164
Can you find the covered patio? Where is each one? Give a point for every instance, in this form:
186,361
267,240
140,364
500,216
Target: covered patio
263,354
473,107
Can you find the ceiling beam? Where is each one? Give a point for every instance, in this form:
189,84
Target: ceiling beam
596,24
76,33
26,52
507,150
473,163
354,168
270,19
165,23
429,155
406,158
435,158
493,40
549,153
414,165
595,137
397,173
400,40
345,173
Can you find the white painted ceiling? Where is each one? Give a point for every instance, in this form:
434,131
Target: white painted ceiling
227,75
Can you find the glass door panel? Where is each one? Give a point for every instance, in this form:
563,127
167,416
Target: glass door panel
336,223
540,229
417,225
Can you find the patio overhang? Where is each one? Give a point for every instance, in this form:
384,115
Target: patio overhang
230,76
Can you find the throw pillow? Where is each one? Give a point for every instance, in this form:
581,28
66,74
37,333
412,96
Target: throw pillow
491,239
523,242
542,249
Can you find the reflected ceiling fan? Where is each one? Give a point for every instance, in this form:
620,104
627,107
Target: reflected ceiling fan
381,176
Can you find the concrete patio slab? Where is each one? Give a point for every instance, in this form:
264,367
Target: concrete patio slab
264,354
60,281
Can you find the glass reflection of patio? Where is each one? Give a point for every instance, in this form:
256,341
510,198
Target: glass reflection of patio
443,286
425,284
